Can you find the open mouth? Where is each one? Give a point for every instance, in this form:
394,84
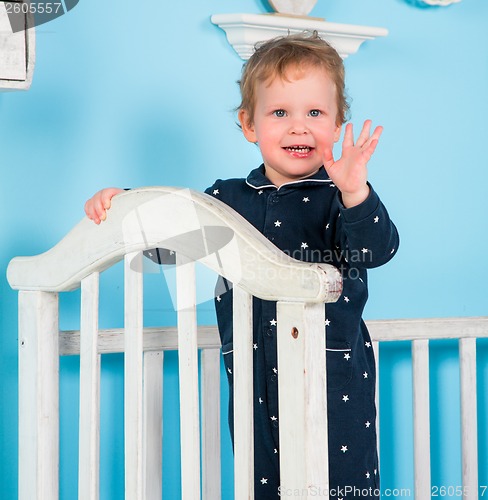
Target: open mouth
299,149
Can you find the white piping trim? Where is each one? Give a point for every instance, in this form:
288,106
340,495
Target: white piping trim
260,187
287,183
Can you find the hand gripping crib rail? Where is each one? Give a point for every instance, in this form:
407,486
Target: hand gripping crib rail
200,228
197,228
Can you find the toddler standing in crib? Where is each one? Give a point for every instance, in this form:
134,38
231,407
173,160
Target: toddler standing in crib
316,209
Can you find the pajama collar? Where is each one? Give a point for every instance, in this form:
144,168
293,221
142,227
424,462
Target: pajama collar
257,179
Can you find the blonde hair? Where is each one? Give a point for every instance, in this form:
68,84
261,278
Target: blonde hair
274,58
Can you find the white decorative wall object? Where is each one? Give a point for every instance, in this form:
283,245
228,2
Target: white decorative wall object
294,7
245,30
442,3
17,54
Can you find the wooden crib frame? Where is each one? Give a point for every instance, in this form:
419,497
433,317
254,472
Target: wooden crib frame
199,228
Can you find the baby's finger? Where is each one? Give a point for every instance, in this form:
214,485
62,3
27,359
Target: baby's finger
91,213
97,209
100,210
377,132
375,137
107,199
368,152
108,194
364,135
328,158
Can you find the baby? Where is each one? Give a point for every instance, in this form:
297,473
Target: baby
316,209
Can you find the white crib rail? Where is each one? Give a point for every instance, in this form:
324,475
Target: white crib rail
192,224
420,332
197,227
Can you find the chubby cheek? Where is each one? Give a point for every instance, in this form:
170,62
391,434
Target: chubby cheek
268,150
327,138
268,136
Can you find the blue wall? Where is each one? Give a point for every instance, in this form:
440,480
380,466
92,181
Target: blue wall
142,94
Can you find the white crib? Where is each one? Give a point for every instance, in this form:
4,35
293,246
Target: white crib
199,228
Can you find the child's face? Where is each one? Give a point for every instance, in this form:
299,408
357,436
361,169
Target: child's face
294,123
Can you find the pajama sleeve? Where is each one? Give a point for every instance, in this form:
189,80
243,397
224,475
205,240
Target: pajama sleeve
366,233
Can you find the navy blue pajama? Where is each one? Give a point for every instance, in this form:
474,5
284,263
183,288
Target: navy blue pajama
307,220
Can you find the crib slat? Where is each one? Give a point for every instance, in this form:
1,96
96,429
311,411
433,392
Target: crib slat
133,377
188,374
302,397
210,359
38,396
243,396
469,421
89,437
421,415
376,350
153,425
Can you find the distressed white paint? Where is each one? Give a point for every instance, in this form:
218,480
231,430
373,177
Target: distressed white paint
153,425
133,377
165,338
89,434
469,421
17,53
188,374
38,396
302,397
243,396
421,418
227,244
155,339
210,369
428,328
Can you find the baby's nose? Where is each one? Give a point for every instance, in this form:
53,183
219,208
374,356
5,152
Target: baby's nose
298,126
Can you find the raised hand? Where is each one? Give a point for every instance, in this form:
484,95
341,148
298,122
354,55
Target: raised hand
349,173
96,207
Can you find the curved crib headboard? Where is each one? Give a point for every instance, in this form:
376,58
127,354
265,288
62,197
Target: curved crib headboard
192,224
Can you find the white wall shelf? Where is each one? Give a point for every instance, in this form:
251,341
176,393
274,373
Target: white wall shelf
17,54
245,30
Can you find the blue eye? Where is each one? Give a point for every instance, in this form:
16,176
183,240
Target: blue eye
314,113
280,113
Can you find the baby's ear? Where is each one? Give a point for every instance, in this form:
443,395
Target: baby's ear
247,126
